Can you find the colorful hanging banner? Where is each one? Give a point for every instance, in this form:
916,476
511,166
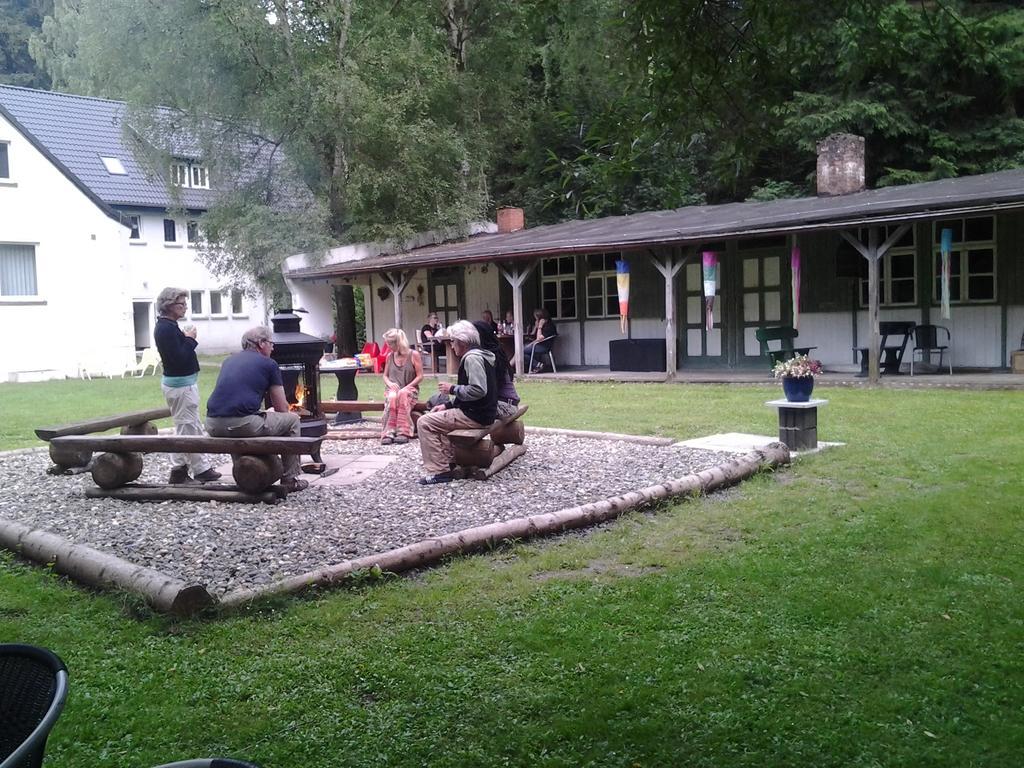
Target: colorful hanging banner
622,282
947,246
794,271
709,259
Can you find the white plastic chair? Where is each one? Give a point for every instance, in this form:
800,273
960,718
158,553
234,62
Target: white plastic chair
150,358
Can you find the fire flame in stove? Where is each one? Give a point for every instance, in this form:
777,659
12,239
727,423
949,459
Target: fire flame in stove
301,395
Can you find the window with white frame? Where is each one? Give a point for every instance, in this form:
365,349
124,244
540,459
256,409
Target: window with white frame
192,231
196,302
897,271
602,287
216,303
5,163
558,287
190,175
170,231
972,260
237,307
135,222
18,270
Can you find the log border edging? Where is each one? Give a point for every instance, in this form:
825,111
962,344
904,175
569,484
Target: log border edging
100,569
430,551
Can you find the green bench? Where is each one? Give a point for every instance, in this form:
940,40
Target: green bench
777,344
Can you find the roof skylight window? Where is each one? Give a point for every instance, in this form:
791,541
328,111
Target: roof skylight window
114,166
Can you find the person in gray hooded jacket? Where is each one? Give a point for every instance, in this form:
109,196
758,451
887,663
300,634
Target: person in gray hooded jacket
475,404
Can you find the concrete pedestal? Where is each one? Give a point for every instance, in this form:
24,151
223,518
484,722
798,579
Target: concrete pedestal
798,423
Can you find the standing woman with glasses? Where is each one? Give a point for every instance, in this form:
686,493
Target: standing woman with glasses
177,350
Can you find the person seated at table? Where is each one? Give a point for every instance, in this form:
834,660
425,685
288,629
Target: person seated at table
233,410
488,317
403,373
427,334
508,398
475,404
540,338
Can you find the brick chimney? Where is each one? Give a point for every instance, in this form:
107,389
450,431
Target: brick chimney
510,219
840,165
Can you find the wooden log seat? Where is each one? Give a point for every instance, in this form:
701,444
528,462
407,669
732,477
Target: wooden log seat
256,462
135,423
481,453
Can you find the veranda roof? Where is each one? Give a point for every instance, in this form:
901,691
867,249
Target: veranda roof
695,224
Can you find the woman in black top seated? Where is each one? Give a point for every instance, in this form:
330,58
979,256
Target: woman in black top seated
540,338
427,333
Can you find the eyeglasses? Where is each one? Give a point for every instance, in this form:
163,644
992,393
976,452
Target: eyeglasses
265,341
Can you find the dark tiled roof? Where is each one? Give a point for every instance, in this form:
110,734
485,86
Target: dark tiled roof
75,131
704,223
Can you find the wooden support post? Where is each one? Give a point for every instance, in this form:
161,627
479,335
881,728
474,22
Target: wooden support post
396,283
874,252
501,461
669,268
65,457
513,433
516,276
145,428
229,494
112,470
254,474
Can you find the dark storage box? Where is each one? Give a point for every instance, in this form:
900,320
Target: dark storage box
636,355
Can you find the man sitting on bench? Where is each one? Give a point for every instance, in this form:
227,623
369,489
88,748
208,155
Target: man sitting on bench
475,405
233,409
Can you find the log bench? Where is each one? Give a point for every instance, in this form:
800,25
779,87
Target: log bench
482,453
359,406
256,464
67,459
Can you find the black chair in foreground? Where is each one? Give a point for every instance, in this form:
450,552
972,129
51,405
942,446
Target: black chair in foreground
33,687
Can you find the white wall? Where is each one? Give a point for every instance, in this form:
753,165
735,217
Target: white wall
155,264
1014,329
82,312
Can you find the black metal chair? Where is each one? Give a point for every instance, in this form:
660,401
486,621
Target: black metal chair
928,343
33,687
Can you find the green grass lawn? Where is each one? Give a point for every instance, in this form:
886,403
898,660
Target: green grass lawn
862,608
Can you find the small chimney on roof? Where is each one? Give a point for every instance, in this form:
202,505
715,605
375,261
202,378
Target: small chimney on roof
510,220
840,165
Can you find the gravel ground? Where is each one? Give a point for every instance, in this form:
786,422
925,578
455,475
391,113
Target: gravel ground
232,546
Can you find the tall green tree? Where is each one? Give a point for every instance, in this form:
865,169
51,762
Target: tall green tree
19,19
363,99
935,88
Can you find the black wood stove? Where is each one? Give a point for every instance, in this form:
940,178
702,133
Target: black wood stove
298,354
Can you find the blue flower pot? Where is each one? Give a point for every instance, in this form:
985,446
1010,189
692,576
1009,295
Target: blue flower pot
797,390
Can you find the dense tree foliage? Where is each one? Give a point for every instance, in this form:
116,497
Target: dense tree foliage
19,19
409,115
934,87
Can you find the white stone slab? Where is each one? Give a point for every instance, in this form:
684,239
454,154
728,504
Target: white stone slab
739,442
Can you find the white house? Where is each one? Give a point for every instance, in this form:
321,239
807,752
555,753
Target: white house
88,240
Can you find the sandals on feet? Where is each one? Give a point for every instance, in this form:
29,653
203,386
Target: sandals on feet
401,439
387,440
